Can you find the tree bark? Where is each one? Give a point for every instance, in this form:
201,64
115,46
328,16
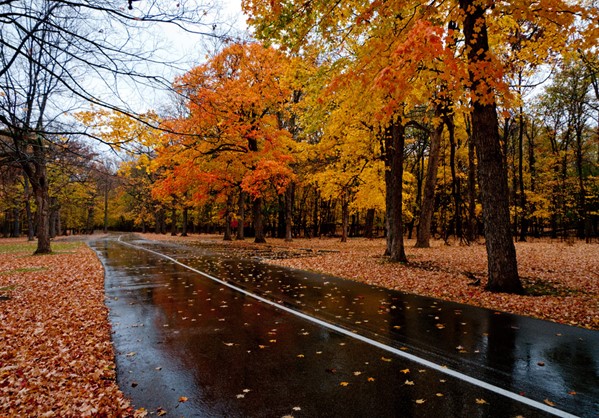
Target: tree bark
344,215
455,180
16,224
289,198
394,147
241,215
42,200
228,232
54,217
185,220
472,232
173,220
369,224
258,221
423,233
28,211
501,253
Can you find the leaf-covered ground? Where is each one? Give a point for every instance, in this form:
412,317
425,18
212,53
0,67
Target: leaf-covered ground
561,279
56,357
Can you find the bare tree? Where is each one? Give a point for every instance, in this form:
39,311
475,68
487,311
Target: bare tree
56,53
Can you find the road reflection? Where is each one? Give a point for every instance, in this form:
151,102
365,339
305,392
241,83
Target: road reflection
181,335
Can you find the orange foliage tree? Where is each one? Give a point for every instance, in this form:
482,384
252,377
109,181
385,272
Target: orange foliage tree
398,46
233,137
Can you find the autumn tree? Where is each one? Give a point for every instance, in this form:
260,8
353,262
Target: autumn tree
484,26
234,137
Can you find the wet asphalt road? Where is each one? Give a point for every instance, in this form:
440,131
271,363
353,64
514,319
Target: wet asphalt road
179,334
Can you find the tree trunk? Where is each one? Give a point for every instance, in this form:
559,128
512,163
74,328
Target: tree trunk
173,220
258,221
501,253
241,215
532,168
28,211
344,215
289,198
423,233
472,223
35,169
157,221
369,224
89,223
455,180
185,220
280,228
228,212
42,200
394,146
16,223
53,217
315,214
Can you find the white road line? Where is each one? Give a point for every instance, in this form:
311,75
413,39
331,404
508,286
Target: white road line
416,359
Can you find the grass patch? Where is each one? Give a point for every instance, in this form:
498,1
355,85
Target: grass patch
65,247
29,247
536,287
22,247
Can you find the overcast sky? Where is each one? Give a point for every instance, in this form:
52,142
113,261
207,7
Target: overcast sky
181,51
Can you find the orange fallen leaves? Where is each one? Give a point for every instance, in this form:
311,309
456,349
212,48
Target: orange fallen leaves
56,358
567,272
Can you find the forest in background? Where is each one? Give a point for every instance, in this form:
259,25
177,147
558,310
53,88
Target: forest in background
333,186
386,119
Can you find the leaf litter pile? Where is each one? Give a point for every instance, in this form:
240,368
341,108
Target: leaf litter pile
561,279
56,357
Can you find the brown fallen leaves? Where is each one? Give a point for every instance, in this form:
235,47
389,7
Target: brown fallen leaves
561,277
56,358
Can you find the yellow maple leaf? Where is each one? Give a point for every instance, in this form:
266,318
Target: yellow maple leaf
420,401
480,401
405,371
183,399
344,383
385,359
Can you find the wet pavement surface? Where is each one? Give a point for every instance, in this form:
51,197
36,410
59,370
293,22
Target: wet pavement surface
178,334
